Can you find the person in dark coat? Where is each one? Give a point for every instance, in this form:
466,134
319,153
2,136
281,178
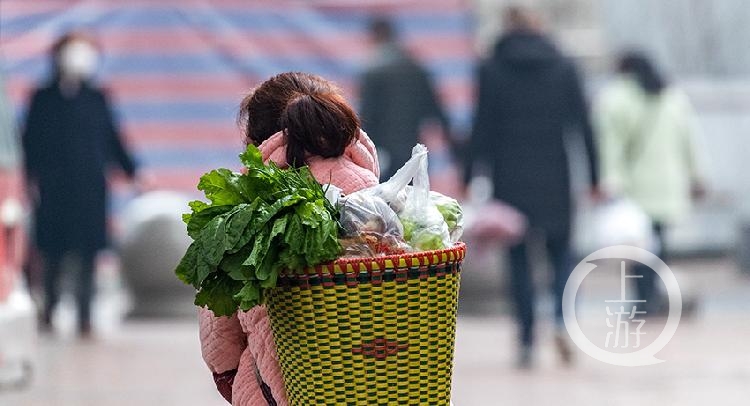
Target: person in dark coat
69,141
530,99
397,98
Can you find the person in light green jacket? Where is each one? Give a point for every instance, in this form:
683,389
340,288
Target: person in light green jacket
648,152
9,145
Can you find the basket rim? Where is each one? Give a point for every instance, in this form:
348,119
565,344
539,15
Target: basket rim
457,248
455,253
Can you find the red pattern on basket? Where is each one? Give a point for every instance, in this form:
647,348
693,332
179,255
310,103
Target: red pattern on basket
380,348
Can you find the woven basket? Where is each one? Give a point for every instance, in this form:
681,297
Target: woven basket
369,331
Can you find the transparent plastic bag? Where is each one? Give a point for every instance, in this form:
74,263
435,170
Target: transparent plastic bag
424,226
452,214
394,190
449,208
370,227
369,219
393,218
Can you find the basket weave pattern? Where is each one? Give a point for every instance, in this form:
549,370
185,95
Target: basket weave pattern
371,331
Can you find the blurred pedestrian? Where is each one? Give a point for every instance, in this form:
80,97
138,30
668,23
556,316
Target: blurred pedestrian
530,99
648,153
397,99
69,140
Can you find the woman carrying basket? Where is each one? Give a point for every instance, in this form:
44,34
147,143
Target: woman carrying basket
295,119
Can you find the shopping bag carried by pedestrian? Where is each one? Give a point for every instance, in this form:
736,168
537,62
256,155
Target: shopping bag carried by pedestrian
489,221
617,221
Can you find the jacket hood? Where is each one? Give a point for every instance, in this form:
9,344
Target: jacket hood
356,169
526,50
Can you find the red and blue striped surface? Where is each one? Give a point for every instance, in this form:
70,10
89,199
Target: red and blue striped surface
177,69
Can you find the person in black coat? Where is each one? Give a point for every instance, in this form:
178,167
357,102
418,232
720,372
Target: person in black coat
530,99
397,98
69,141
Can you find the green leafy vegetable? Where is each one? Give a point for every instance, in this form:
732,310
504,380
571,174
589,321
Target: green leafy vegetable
217,292
255,225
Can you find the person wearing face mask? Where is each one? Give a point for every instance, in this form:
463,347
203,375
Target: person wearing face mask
70,140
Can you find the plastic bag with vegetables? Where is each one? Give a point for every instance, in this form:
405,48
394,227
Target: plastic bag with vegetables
369,217
448,207
370,228
395,190
424,226
393,218
451,212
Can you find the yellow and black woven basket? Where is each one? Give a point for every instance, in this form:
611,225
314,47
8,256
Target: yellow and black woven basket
369,331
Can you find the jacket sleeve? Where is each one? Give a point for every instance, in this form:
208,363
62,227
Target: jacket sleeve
580,120
431,102
222,341
262,357
118,154
480,143
693,156
608,118
31,138
370,99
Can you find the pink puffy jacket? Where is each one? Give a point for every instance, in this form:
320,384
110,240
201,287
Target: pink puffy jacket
244,341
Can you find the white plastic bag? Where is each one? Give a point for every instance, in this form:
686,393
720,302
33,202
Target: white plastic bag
391,218
424,226
370,227
393,191
620,222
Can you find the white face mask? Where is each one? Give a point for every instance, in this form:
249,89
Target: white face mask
79,59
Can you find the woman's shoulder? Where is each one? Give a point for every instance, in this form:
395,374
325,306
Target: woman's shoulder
621,88
675,95
343,173
618,97
44,91
675,103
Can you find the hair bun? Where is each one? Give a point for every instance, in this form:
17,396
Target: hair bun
320,124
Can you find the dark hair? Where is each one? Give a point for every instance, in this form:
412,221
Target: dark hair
640,66
311,111
518,18
382,30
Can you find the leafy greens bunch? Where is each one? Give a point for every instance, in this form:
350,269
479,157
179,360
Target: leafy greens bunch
256,224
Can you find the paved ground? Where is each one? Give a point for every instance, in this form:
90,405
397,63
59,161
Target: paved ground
708,361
